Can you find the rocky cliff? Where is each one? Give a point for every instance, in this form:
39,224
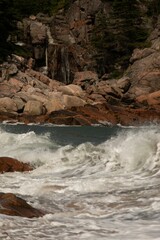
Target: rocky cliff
61,43
61,82
85,36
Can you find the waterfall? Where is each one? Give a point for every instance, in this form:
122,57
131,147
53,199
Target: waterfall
46,58
65,68
57,60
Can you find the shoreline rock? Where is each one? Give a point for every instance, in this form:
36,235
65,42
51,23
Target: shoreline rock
92,102
12,205
101,114
8,164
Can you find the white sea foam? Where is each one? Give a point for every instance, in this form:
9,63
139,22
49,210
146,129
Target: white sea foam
91,191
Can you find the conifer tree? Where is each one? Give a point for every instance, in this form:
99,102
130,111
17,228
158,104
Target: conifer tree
121,32
13,10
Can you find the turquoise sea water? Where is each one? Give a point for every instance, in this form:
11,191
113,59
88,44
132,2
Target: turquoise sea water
94,182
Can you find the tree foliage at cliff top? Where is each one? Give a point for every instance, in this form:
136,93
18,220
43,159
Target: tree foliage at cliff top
12,10
23,8
116,35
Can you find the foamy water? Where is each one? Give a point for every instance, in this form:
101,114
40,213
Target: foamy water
94,182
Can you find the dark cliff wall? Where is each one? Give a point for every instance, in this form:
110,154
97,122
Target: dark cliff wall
80,35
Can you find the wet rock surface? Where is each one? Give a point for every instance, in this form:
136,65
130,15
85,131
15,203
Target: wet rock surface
8,164
12,205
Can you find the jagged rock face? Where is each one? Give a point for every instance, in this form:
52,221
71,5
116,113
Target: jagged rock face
71,33
35,36
81,18
145,69
62,43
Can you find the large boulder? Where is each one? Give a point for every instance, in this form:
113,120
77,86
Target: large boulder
141,53
6,90
145,69
33,107
130,116
38,32
23,95
97,98
86,115
39,76
72,90
8,164
85,78
7,105
17,84
123,84
8,70
72,101
19,103
37,94
55,102
151,99
12,205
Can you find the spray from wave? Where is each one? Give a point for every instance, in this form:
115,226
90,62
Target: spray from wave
96,187
128,150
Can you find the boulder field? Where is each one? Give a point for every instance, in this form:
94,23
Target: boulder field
27,95
30,96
